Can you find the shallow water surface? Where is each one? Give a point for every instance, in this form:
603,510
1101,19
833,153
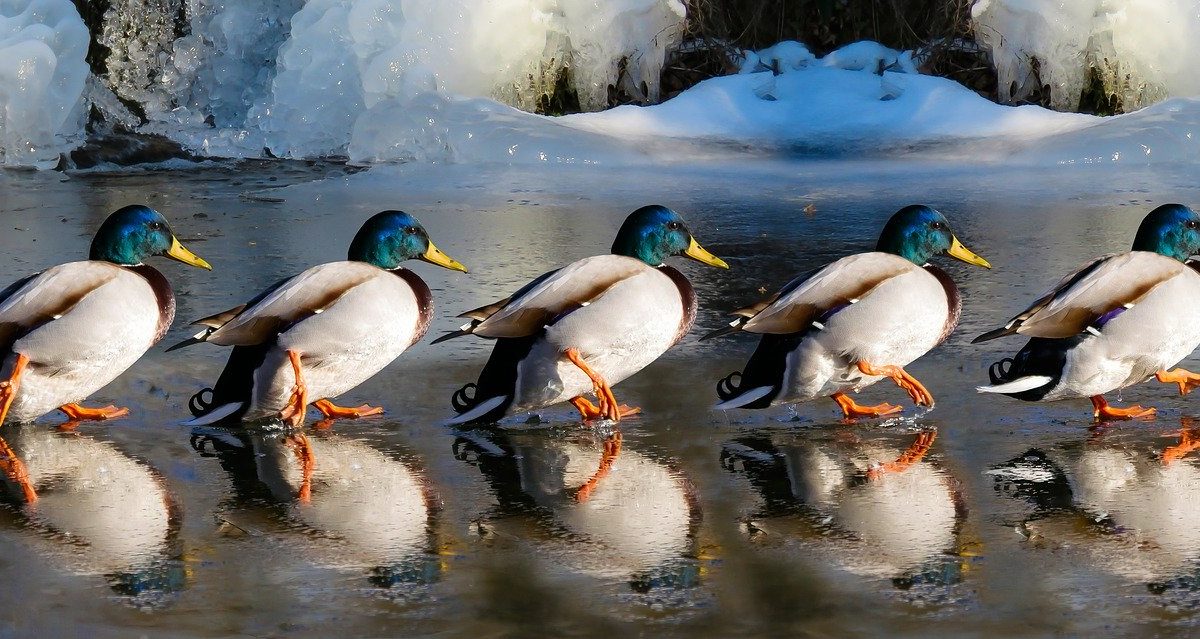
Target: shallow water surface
1019,518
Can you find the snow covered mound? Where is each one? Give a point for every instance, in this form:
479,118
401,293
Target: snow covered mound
42,75
1139,51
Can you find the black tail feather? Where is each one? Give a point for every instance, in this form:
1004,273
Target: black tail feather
1039,356
767,367
236,383
497,379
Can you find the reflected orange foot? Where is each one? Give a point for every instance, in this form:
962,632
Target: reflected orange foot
1104,412
612,450
8,387
913,454
851,409
589,411
333,411
1187,380
915,389
77,413
15,470
293,413
609,408
304,454
1189,440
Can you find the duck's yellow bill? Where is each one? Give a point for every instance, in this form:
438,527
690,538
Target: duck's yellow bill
957,250
178,252
697,252
434,255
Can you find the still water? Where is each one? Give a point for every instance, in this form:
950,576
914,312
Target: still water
1019,519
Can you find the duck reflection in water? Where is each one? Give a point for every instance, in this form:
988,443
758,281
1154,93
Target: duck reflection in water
599,507
1125,498
877,508
352,506
93,509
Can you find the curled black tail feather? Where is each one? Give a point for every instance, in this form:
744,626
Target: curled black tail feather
463,402
200,406
999,371
726,389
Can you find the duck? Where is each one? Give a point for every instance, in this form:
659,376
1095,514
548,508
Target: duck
838,329
69,330
321,333
90,508
593,502
586,326
342,502
865,503
1117,321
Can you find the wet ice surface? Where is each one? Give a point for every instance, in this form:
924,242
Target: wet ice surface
1019,520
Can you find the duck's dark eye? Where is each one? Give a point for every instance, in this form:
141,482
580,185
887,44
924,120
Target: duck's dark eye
938,225
1191,224
156,226
412,230
674,226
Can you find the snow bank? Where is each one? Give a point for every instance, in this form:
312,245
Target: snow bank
42,75
1141,51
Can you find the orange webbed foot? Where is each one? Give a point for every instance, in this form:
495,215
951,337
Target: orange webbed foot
852,409
9,387
915,389
612,450
1104,412
293,413
1187,380
913,454
589,411
333,411
77,413
609,408
15,470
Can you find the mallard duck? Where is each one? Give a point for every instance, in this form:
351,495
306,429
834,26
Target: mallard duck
843,327
68,331
586,326
1117,321
93,508
322,332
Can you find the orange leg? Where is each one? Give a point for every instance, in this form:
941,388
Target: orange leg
916,390
293,413
609,408
15,470
77,413
851,409
1189,440
612,449
915,452
303,450
8,387
589,411
1104,412
333,411
1187,380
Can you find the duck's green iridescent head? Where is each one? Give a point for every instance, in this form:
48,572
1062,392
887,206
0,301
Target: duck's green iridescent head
918,232
1172,230
654,233
391,237
134,233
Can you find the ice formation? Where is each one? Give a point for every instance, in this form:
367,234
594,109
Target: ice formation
42,76
1140,51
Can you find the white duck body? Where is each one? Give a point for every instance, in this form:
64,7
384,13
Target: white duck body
114,510
87,323
891,313
1158,327
619,312
376,506
348,320
1155,334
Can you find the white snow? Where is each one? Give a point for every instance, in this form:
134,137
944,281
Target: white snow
42,75
1145,50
